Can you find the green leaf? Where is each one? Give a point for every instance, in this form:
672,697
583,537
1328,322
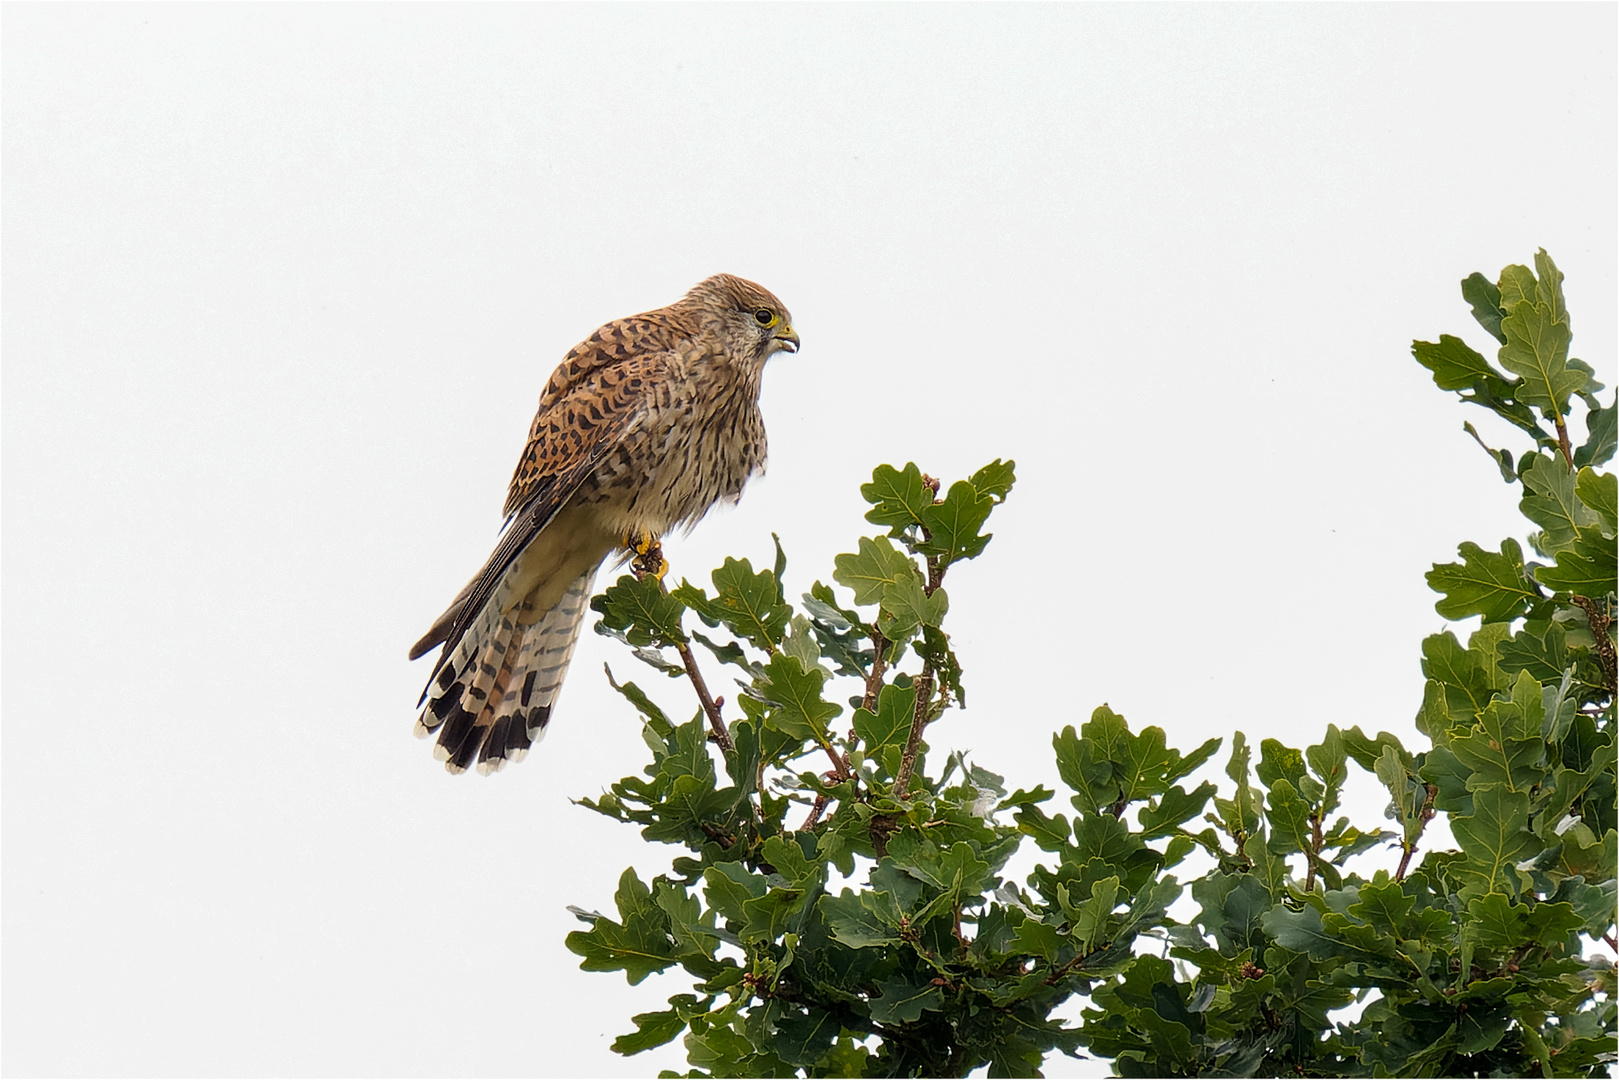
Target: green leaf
1498,923
1549,501
729,886
1173,808
802,1039
1588,568
907,607
951,869
690,926
786,856
798,710
1459,672
1485,583
1494,839
1327,761
799,643
890,725
954,522
1602,429
903,1000
655,717
1234,907
639,946
1289,819
1539,648
652,1029
1093,915
1325,936
840,633
1549,285
1536,350
640,611
1506,748
995,479
1481,1028
859,920
1497,395
898,496
1599,493
1454,363
1036,938
1107,764
1502,458
1049,833
877,566
1485,299
748,603
1383,906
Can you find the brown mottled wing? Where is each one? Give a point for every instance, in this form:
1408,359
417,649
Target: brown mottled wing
566,421
590,401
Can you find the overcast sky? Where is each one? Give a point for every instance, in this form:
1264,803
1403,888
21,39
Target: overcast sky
281,287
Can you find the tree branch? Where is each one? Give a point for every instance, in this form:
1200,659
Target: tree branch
919,720
816,810
716,723
651,561
879,665
1599,630
1424,816
1562,440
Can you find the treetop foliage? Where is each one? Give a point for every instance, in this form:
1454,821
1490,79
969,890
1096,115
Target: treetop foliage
841,906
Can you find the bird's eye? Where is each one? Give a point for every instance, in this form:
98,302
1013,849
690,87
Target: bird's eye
765,316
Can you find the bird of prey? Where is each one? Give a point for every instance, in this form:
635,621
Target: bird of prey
643,427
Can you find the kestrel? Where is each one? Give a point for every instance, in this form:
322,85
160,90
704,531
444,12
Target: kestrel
643,427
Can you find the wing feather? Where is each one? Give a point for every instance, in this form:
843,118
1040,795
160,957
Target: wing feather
572,434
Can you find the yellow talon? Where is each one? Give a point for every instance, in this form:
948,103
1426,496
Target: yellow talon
648,551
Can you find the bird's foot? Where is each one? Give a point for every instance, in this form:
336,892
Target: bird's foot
648,551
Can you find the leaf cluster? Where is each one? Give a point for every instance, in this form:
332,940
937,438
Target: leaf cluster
842,903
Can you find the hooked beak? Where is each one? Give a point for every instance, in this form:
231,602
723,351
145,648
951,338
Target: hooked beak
788,338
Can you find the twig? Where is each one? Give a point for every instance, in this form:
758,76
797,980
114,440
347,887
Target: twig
1424,816
919,720
815,813
1315,852
1599,630
879,664
1063,972
1611,943
651,561
716,723
1562,439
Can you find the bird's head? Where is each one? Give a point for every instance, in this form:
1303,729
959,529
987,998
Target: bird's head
754,319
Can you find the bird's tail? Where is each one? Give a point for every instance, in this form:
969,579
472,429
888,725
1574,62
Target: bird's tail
491,703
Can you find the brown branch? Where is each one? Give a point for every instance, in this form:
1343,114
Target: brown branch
1614,945
879,665
651,561
1599,630
919,720
1562,439
1314,854
815,813
1063,972
716,723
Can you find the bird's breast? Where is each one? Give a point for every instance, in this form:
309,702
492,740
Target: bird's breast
697,444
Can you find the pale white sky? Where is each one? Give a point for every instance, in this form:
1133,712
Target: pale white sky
282,284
